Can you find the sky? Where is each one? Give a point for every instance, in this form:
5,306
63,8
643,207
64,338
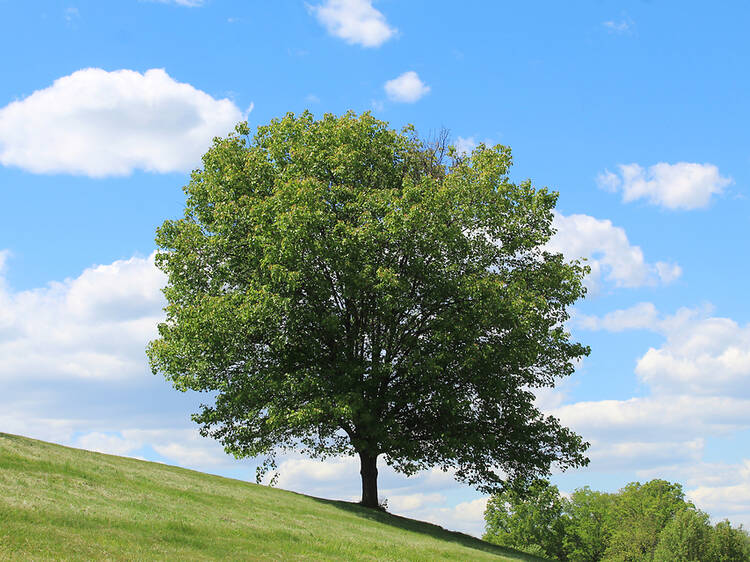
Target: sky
636,113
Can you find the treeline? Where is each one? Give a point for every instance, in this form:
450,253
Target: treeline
641,522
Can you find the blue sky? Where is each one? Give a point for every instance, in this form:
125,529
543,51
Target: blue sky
635,112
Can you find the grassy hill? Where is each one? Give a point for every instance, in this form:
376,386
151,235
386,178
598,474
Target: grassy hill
62,503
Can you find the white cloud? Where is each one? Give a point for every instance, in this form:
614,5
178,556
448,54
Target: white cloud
100,123
107,443
466,145
662,419
467,517
722,488
606,455
311,474
608,251
184,447
621,26
94,326
642,316
683,185
193,455
354,21
702,354
411,502
668,272
406,88
709,356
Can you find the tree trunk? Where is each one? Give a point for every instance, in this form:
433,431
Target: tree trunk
369,471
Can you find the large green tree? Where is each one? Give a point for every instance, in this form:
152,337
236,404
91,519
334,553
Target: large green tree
344,288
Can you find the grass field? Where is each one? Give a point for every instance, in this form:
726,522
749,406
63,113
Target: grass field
62,503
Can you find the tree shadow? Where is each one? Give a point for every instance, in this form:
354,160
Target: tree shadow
428,529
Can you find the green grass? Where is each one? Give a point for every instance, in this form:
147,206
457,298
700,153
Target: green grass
62,503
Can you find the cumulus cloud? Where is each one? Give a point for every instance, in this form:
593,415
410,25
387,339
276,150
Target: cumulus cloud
608,252
656,418
683,185
94,326
354,21
407,88
100,123
708,356
701,354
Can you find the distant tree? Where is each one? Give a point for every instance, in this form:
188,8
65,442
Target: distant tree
729,544
588,525
531,520
686,538
640,512
343,288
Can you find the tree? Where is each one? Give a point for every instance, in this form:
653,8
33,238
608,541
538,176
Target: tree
686,538
588,525
347,289
640,513
729,544
531,520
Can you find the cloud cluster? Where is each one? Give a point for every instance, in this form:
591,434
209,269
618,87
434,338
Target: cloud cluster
608,252
98,123
94,326
355,21
722,489
702,355
406,88
683,185
698,380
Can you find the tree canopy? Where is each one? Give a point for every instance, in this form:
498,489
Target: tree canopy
344,288
639,523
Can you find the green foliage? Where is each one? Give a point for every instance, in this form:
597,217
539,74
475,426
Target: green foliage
588,525
58,503
641,522
530,520
641,511
338,286
686,538
729,544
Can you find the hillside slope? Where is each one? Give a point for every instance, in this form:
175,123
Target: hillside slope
63,503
